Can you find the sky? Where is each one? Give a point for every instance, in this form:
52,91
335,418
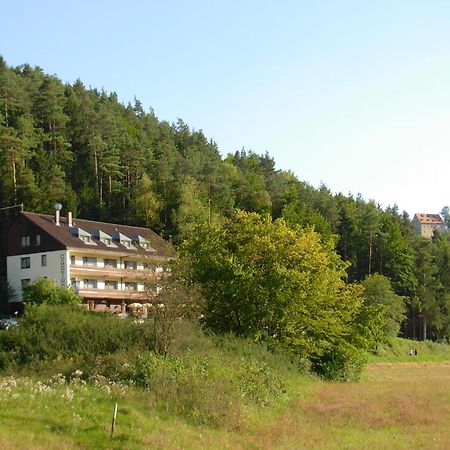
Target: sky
351,94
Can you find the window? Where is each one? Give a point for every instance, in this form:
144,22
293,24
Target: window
130,265
25,241
110,263
43,260
25,263
110,284
86,239
87,261
106,241
92,284
125,243
130,286
72,260
25,282
38,239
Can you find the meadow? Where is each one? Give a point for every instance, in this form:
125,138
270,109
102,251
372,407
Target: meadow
396,405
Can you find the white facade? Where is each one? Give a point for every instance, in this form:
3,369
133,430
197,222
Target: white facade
53,265
82,271
108,265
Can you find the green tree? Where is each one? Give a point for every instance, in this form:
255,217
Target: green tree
425,304
144,205
263,279
378,291
192,210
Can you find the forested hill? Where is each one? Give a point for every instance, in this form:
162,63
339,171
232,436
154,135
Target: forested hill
106,161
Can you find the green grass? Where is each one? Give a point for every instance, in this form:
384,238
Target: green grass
58,389
397,350
395,406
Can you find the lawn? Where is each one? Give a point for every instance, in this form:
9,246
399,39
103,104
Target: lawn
402,405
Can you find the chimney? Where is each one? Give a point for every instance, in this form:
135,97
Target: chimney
57,207
69,218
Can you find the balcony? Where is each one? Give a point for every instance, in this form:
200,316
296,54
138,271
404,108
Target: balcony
112,294
109,272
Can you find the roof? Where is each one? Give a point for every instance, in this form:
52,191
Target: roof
434,219
66,236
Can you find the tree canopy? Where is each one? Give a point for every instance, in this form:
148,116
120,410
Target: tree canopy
107,161
264,279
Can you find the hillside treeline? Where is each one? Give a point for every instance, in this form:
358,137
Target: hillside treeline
107,161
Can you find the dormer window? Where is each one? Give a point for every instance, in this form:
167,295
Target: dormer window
142,242
123,239
103,237
83,235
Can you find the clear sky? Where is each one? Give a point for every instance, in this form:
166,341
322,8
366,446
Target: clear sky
354,94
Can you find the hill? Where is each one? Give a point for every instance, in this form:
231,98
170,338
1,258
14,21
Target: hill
107,161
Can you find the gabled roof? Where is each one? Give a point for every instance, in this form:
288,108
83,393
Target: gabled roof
429,219
64,234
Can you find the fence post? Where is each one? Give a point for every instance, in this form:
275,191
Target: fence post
113,425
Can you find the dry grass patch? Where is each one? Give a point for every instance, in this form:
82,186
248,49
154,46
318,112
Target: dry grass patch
396,406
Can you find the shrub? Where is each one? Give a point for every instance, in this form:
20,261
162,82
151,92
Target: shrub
65,338
258,383
47,291
339,363
188,388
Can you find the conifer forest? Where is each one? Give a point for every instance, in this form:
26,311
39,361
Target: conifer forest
104,160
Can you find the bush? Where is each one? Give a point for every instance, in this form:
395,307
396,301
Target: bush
259,384
189,388
47,291
66,338
340,363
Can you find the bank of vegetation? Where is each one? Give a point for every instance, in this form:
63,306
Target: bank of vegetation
325,276
275,281
107,161
63,370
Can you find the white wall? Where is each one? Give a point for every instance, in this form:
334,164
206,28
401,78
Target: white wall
57,269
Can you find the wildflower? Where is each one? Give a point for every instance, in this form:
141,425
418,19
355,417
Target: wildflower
77,374
68,395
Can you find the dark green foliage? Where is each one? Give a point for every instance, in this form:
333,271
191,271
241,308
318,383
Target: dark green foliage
65,338
340,363
107,161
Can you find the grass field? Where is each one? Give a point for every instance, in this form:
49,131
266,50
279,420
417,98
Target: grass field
402,405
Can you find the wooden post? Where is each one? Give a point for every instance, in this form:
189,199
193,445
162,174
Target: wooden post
113,425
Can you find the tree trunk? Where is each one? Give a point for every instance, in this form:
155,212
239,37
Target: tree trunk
100,191
424,334
110,190
13,160
165,205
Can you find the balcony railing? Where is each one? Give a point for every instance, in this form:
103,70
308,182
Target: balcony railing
113,294
111,272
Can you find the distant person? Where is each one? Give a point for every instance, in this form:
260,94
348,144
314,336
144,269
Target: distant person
415,351
411,352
